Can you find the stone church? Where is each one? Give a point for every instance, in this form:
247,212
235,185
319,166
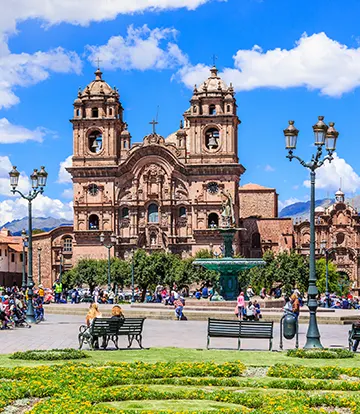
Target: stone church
162,193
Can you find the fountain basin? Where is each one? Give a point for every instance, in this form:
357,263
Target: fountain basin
229,267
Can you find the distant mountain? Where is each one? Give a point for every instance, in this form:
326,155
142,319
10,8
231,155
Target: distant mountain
302,210
42,223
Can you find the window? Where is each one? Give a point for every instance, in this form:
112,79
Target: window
0,252
228,108
194,109
182,212
21,258
12,257
5,253
67,244
125,144
110,112
213,220
77,112
125,212
153,213
255,241
95,113
212,109
212,138
93,222
95,141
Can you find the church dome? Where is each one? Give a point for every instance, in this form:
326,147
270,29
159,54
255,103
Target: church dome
339,193
98,87
213,84
319,209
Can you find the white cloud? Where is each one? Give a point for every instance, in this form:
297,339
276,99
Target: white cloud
141,49
64,177
288,202
68,193
315,62
5,168
28,69
10,133
328,177
81,12
42,206
269,168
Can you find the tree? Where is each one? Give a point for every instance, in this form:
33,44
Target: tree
87,271
321,277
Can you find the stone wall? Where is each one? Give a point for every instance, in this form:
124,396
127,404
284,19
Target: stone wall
258,201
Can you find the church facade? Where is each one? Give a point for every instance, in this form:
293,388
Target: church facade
163,193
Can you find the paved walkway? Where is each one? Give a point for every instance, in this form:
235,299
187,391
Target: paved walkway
61,331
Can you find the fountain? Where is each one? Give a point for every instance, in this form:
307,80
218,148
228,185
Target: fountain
228,266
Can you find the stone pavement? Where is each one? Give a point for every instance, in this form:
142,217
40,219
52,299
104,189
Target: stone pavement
61,331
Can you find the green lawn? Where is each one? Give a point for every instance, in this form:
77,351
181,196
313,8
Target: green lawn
249,358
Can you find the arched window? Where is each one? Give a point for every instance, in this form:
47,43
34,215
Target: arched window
182,212
228,108
212,109
153,213
212,138
125,213
95,141
125,144
255,241
78,112
213,221
67,244
94,113
153,239
93,222
110,111
194,109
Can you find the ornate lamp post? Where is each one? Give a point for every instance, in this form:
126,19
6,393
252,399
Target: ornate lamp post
324,135
38,182
39,265
109,247
327,253
24,242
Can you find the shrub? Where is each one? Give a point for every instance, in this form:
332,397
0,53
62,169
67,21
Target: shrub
320,353
50,355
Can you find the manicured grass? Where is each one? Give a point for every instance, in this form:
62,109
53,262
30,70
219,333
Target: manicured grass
249,358
193,405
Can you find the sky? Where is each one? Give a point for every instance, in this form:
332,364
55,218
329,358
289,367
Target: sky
286,60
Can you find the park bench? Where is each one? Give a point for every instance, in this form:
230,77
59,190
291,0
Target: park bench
239,329
132,327
354,334
100,328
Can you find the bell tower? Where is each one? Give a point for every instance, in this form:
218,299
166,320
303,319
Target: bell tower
211,123
97,125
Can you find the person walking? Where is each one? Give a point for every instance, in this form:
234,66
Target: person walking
240,305
58,288
295,305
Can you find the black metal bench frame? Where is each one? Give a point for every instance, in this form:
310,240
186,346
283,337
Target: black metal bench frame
222,328
354,334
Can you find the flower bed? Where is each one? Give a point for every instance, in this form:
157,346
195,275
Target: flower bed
320,353
85,388
50,355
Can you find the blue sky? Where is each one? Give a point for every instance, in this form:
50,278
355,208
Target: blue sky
287,60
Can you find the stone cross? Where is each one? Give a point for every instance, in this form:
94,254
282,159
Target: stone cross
153,123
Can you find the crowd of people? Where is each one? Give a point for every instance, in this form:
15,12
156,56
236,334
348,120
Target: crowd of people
14,304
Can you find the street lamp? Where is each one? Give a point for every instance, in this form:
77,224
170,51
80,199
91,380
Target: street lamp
61,265
131,256
327,253
323,135
39,264
24,242
109,247
38,182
